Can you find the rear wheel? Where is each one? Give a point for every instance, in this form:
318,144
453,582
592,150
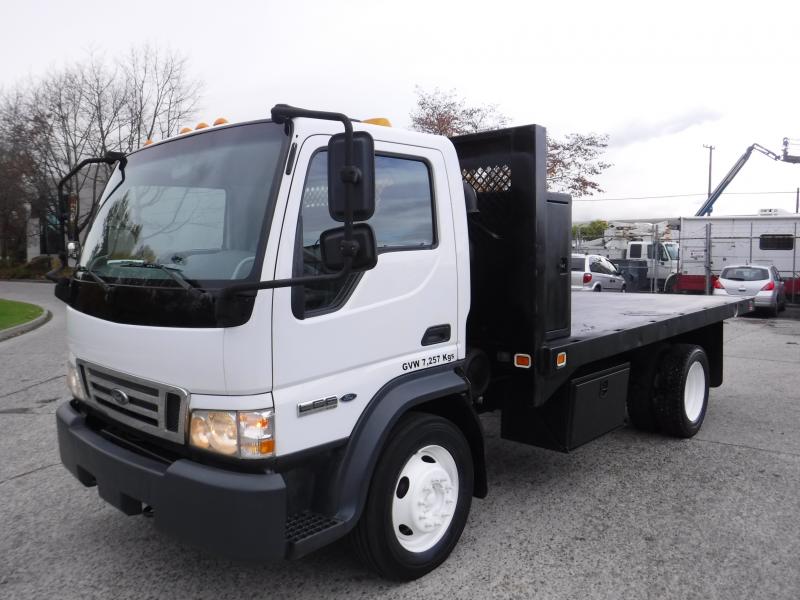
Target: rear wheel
418,500
681,390
597,288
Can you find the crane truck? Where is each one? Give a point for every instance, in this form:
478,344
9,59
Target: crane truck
283,331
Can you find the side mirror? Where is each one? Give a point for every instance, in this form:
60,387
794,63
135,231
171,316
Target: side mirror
330,242
360,179
73,249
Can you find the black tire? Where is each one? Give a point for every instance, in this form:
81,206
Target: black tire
374,538
624,289
774,310
669,404
641,413
597,288
669,285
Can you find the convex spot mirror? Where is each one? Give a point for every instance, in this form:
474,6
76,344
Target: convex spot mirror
74,250
366,257
363,189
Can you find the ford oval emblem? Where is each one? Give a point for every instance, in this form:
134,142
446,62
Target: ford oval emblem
119,397
347,398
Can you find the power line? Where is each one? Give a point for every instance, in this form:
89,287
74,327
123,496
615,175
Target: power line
674,196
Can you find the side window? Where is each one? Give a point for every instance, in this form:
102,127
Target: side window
776,242
649,250
403,220
598,267
636,251
403,216
314,219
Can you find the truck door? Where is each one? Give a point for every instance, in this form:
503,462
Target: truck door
341,342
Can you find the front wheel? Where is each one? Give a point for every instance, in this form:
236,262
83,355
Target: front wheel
418,500
681,390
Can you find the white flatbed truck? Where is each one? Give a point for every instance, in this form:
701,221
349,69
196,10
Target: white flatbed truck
280,335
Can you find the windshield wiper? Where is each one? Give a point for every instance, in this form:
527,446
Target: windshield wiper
88,270
174,274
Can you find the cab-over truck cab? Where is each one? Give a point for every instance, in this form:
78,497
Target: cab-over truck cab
280,334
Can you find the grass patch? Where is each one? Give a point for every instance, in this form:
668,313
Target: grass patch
15,313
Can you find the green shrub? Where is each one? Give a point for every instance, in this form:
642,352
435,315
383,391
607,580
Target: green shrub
35,269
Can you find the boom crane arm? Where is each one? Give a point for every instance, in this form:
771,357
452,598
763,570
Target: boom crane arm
705,209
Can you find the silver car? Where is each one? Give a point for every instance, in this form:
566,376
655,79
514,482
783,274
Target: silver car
762,282
595,273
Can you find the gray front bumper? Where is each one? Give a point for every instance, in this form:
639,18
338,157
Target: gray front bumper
240,515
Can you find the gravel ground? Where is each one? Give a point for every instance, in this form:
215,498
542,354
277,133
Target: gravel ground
627,516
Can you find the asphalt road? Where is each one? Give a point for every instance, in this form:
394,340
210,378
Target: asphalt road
627,516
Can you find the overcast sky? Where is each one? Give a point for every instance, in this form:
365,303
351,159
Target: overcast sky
661,78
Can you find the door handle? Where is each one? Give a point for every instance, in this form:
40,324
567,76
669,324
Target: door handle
436,334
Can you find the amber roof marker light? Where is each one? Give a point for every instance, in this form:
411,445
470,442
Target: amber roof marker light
382,121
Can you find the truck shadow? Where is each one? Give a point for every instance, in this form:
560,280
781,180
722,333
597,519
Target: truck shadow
518,471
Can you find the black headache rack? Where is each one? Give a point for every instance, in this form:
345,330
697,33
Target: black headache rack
575,388
520,249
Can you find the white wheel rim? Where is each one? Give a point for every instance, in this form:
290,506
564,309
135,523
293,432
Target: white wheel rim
694,392
424,498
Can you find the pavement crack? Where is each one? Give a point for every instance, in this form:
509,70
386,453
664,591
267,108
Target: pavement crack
745,446
36,470
27,387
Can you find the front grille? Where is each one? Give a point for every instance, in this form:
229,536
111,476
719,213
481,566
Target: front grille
150,407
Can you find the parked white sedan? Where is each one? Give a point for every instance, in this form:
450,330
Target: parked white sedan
763,282
595,273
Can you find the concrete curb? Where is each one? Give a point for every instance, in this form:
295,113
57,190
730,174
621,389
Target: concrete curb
11,332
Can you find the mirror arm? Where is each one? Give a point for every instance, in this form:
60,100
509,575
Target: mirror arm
347,269
110,158
350,173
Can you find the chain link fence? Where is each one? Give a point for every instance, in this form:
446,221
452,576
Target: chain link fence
706,248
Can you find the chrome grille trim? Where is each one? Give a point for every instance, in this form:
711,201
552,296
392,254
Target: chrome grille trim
147,407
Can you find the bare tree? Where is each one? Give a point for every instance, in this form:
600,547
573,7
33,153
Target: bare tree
573,163
94,106
160,94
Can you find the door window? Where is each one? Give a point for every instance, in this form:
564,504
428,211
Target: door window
403,220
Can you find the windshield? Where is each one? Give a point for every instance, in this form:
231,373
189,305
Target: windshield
195,205
672,251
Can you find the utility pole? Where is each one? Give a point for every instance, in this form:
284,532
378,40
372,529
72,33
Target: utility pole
797,201
710,153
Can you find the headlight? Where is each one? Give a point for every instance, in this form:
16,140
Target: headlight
246,434
74,382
